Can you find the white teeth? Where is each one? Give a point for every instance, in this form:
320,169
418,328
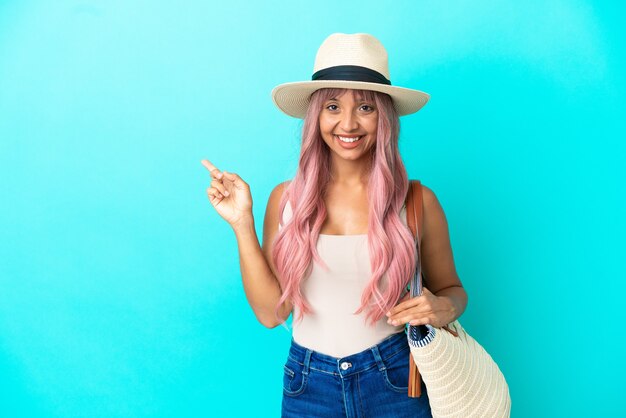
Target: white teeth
344,139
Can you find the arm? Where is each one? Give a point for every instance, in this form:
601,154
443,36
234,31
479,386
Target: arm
231,198
437,259
257,269
443,299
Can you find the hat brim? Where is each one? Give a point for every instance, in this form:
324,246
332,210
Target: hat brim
293,98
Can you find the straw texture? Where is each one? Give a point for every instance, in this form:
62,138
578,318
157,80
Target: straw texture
338,49
462,379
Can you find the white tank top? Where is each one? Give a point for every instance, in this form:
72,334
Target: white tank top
332,328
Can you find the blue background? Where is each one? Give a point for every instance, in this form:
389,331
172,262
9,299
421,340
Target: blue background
120,290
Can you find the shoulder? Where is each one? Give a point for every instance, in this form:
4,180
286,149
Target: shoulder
280,187
270,223
273,205
277,194
434,217
429,198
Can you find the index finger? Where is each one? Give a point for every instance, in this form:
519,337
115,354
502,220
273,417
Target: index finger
404,304
211,168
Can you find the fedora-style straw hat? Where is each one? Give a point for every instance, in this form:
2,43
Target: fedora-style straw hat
351,61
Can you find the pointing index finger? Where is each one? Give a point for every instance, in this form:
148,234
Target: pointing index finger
211,168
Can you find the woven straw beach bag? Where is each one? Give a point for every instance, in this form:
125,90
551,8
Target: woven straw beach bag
461,378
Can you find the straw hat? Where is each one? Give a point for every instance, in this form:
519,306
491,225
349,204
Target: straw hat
353,61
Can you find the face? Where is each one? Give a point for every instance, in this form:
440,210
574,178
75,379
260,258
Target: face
348,125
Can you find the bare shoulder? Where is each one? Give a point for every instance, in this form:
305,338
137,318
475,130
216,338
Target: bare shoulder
429,197
273,201
270,223
434,216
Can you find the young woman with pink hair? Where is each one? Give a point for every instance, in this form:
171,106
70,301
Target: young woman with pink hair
337,251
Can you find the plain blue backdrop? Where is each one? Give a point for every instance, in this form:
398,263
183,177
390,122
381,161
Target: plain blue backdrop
120,290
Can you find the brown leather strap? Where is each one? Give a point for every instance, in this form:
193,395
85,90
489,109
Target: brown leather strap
415,380
447,328
414,218
419,218
413,202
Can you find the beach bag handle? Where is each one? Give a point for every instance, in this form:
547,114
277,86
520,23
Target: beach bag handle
414,218
415,221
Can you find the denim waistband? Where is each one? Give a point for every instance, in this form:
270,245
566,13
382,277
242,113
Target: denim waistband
374,356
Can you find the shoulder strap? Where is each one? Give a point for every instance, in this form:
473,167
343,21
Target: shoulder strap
414,209
414,220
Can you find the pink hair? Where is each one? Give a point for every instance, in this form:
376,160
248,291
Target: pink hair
390,242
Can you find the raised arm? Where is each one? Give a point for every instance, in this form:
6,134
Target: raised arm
231,198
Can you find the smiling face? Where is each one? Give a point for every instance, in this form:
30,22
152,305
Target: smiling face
348,125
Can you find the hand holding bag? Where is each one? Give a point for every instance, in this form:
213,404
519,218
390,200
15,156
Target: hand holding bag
461,377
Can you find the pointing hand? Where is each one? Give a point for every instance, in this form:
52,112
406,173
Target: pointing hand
229,195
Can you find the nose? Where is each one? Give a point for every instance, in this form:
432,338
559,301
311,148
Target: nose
349,122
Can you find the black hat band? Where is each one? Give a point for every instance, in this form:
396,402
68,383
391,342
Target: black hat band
350,73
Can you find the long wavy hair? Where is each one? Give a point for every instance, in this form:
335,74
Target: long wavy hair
391,244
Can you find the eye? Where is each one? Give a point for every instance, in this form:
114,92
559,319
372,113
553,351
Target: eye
367,108
331,107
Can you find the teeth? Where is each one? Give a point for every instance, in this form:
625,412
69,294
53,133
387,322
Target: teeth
344,139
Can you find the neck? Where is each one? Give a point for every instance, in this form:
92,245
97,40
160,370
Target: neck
350,173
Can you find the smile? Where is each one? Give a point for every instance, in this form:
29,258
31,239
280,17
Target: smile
348,139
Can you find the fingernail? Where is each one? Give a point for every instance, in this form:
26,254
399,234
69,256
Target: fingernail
388,313
226,193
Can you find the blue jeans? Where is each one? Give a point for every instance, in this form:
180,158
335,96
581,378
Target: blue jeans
372,383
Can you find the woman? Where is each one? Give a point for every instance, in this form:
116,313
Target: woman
349,354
